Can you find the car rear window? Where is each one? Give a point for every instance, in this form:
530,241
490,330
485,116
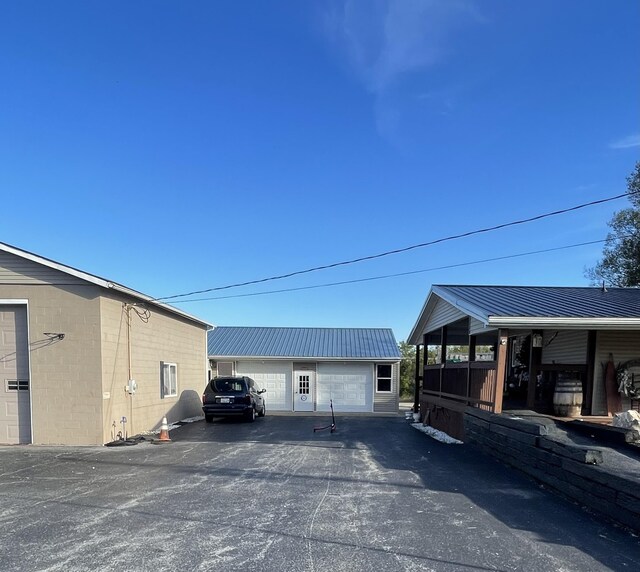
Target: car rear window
227,385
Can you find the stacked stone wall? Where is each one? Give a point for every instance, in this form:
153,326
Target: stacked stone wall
537,448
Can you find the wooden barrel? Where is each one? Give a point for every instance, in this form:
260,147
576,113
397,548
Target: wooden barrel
567,398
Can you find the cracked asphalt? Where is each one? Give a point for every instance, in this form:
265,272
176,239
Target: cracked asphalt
274,495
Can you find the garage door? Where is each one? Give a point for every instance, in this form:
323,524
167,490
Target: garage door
15,417
275,377
350,386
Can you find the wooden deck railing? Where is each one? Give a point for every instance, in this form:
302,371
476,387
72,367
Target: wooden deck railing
468,383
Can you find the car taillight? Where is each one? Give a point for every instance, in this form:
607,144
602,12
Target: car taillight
247,398
204,399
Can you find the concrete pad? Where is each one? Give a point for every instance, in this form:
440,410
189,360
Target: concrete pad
274,495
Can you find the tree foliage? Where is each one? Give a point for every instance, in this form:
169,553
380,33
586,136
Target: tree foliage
620,264
407,369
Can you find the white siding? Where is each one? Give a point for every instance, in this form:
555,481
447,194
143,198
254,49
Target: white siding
275,377
388,402
443,314
477,327
568,346
623,346
349,385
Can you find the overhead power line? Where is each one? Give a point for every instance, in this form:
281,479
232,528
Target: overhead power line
398,250
385,276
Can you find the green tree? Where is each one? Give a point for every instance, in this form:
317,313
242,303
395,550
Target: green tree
407,369
620,264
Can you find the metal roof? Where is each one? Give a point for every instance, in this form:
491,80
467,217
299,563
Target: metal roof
548,301
537,306
329,343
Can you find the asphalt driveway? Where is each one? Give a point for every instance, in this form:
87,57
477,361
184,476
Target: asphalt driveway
377,495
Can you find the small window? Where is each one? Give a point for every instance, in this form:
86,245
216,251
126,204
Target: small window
168,380
383,378
17,385
225,368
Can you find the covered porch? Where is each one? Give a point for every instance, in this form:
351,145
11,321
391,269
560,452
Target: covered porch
565,370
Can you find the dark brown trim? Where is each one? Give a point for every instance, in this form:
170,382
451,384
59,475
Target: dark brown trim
503,346
535,359
456,365
443,351
445,403
472,348
457,398
587,398
483,365
433,366
472,358
418,378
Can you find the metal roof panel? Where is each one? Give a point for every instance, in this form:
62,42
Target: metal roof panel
332,343
550,301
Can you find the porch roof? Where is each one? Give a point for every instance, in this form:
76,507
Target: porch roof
537,307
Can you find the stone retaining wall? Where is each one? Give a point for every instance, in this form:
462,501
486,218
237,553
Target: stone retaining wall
538,449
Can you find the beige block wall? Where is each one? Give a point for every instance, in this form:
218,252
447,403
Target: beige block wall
163,338
66,396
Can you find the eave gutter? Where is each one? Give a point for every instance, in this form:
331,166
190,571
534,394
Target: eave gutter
148,300
565,323
305,358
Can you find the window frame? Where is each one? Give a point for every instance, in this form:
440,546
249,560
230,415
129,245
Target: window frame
385,378
164,367
233,368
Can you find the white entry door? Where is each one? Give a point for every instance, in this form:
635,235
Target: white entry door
15,416
303,390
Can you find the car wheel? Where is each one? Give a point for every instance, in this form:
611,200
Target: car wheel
263,411
251,414
208,418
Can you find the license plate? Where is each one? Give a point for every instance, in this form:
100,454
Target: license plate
225,400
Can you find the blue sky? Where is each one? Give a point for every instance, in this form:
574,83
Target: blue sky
181,146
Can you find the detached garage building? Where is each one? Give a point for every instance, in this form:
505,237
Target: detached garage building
69,344
303,369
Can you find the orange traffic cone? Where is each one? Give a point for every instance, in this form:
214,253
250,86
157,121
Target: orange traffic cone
164,431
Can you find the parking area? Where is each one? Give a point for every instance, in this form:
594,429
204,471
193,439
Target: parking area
274,495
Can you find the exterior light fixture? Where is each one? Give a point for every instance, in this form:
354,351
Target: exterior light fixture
54,335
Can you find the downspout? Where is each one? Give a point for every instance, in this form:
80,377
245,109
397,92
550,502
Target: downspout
127,308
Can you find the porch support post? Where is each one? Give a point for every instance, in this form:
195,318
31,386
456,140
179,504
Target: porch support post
472,357
443,354
418,378
587,389
503,343
535,359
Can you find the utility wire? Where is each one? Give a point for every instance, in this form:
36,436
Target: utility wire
371,278
399,250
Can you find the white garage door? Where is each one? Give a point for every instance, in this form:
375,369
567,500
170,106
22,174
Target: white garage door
275,377
15,416
350,386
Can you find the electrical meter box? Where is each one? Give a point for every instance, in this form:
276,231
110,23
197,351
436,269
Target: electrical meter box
131,387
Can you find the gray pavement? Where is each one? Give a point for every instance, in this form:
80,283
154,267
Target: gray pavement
272,495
